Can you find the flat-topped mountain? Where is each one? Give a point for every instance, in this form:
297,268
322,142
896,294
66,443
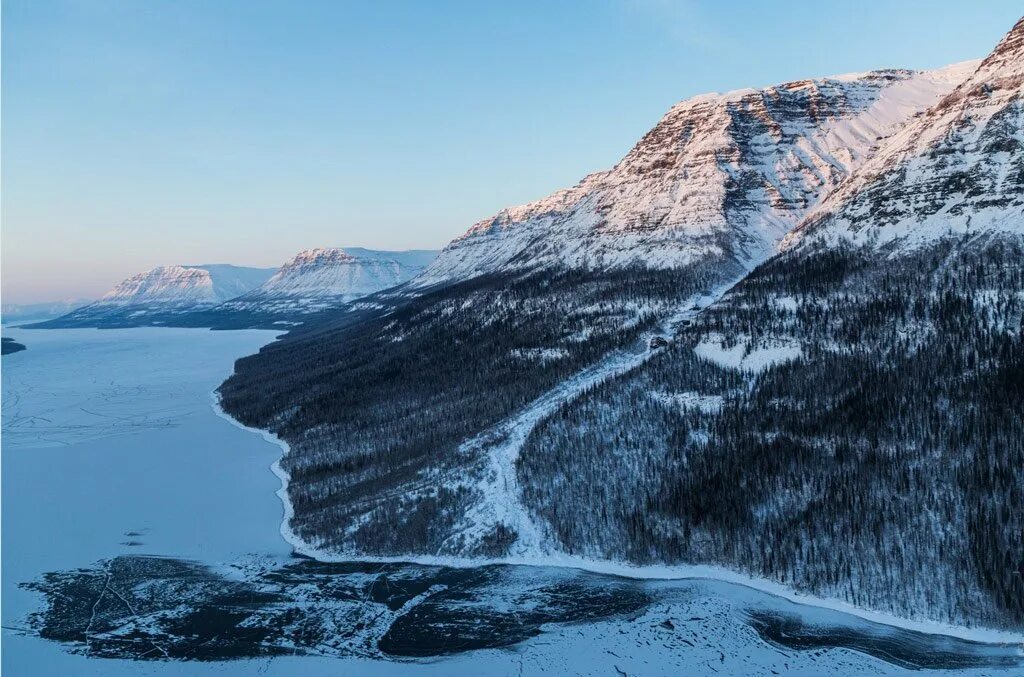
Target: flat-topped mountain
226,296
320,279
188,285
157,296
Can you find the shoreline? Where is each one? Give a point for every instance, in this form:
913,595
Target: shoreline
666,572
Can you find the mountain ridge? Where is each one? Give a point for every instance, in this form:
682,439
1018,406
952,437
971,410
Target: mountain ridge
202,284
967,145
840,421
724,173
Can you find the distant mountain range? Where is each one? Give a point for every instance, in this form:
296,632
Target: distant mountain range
28,312
226,296
782,335
322,279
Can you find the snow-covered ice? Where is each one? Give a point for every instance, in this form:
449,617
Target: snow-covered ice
109,439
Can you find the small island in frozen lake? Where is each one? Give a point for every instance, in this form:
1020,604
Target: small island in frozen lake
9,345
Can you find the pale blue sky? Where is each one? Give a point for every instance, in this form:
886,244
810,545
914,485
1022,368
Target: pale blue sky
140,133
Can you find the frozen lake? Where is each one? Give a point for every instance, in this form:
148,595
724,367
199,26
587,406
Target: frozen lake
149,528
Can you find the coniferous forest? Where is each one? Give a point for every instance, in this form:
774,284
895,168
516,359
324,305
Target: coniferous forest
376,404
882,466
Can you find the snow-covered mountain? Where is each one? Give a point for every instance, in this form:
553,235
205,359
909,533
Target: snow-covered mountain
848,415
624,256
956,169
343,273
186,285
668,388
322,278
160,295
25,312
226,296
719,175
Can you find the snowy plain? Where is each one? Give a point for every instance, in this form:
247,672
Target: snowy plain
111,447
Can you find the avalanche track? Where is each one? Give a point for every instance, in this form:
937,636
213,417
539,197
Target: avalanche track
500,497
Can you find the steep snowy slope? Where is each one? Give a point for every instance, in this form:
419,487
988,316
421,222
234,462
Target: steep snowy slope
847,419
719,175
317,279
186,285
158,295
956,169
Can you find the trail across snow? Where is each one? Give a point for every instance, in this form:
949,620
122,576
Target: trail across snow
501,501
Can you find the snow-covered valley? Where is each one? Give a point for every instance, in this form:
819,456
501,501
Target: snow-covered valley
116,456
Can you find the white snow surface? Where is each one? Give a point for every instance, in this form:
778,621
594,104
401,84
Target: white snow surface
324,276
110,431
198,285
719,175
906,195
743,357
691,400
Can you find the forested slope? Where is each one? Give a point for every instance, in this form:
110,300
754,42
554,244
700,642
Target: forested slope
882,465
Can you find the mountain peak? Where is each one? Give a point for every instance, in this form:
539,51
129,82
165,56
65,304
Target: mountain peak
209,283
954,169
328,277
321,255
1010,48
720,176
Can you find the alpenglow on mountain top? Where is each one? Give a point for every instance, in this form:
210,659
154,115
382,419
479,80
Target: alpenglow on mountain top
225,296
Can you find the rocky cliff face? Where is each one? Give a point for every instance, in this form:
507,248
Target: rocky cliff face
957,169
721,175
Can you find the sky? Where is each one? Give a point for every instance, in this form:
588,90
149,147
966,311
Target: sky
137,134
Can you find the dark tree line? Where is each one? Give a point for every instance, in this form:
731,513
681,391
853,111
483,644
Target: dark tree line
375,404
884,465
